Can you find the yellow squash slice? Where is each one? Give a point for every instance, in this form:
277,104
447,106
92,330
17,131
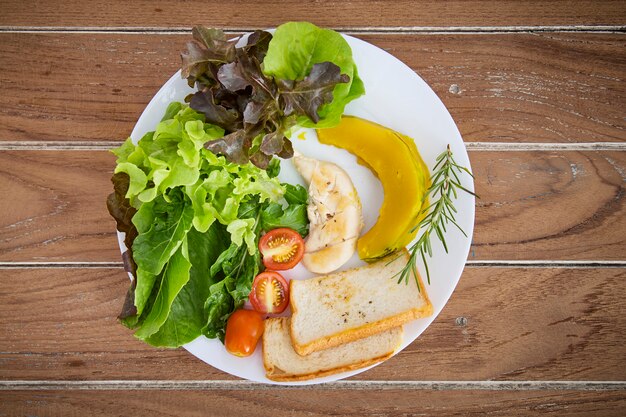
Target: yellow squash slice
405,178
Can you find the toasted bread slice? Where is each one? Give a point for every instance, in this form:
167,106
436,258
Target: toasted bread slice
282,363
353,304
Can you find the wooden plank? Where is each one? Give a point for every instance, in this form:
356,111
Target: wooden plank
550,205
533,206
58,210
360,13
500,324
312,402
513,88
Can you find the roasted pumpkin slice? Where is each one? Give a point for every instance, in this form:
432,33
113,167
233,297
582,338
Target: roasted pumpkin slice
405,178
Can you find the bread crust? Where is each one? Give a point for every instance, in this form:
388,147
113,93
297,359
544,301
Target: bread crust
274,373
360,332
363,331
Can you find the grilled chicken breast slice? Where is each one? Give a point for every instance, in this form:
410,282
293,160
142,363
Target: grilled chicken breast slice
334,213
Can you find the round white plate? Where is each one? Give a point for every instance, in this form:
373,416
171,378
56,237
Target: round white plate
395,97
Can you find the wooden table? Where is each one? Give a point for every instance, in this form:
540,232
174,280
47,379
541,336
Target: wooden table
537,323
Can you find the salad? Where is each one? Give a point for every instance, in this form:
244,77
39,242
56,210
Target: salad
195,195
209,228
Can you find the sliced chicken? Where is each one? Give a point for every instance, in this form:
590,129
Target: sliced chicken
334,213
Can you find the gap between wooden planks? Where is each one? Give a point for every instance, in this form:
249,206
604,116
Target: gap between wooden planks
586,264
352,14
43,145
373,30
47,385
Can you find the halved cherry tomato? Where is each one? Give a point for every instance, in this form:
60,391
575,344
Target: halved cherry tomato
270,293
244,328
281,248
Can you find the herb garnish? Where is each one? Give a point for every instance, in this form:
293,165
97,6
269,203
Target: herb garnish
445,185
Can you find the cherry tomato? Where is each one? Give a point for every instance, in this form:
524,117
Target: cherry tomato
244,328
270,293
281,249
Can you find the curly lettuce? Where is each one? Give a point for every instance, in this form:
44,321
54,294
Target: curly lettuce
259,87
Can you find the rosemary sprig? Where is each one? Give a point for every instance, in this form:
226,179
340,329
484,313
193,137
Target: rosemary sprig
445,184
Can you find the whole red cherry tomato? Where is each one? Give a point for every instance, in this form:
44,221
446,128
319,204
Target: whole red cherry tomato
244,328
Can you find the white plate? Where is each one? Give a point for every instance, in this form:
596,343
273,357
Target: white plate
395,97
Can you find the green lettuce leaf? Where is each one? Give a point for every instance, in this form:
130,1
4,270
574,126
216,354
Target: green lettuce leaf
239,268
273,168
162,228
169,223
243,230
173,156
225,262
168,157
244,278
294,217
175,276
293,51
187,315
295,194
219,306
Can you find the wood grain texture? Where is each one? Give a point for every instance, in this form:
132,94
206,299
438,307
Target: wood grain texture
314,403
533,206
547,87
500,324
261,14
58,209
550,205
